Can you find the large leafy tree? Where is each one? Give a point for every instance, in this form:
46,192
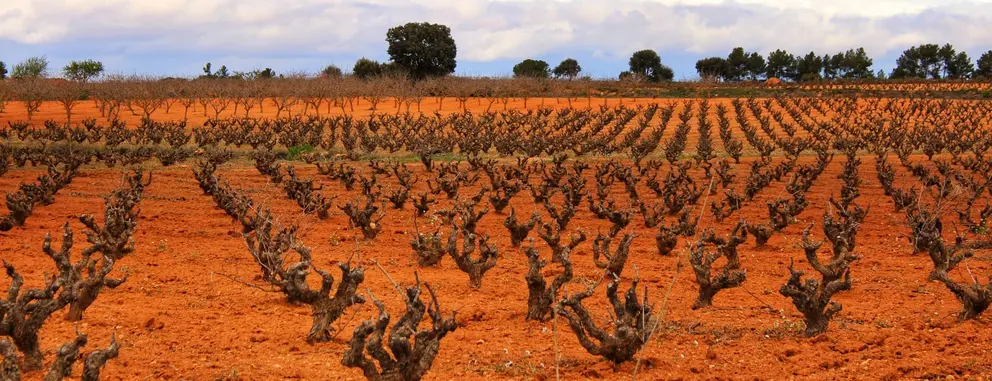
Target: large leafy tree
34,67
832,65
922,61
985,65
365,68
736,64
755,66
422,49
959,66
933,61
946,55
3,70
664,73
647,64
780,65
742,65
393,69
856,64
714,67
82,71
808,68
331,71
568,68
852,64
532,69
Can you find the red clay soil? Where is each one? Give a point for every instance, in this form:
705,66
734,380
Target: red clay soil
179,316
15,111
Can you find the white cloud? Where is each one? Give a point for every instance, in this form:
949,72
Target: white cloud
494,30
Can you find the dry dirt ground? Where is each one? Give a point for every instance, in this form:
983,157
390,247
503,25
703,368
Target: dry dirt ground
180,316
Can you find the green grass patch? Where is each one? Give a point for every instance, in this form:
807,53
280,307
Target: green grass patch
295,151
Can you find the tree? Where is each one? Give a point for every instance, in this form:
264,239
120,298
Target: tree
366,68
959,66
946,55
331,71
3,70
852,64
736,64
568,68
742,65
755,66
267,73
532,68
781,64
931,59
664,73
422,49
832,65
985,66
714,67
808,68
647,64
34,67
393,69
220,73
922,61
82,71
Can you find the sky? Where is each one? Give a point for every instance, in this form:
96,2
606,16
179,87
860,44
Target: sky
176,37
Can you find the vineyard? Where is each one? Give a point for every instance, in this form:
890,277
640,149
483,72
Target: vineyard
571,233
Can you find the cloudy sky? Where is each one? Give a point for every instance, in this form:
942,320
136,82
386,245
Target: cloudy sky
176,37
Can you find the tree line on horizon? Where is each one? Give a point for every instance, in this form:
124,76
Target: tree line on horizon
927,61
424,50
